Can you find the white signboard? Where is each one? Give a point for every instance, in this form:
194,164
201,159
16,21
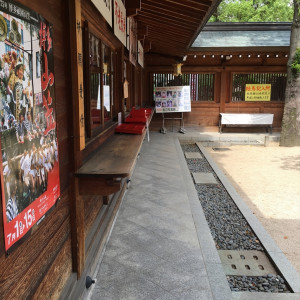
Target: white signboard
172,99
140,54
128,31
120,21
105,8
106,96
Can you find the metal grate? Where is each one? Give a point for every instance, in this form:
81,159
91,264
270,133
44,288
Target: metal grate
247,262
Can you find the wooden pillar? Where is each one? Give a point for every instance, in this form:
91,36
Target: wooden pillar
76,66
120,81
223,90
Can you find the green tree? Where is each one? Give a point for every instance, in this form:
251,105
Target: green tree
253,11
290,133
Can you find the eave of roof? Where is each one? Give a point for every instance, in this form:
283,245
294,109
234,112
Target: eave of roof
172,25
239,36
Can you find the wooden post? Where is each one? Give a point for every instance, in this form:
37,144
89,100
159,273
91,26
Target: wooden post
120,80
223,94
76,67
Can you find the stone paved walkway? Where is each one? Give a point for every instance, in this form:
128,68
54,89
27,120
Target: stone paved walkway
160,246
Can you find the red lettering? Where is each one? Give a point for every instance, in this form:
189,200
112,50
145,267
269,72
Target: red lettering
47,78
49,39
42,33
49,114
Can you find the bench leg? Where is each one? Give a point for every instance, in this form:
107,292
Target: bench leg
105,200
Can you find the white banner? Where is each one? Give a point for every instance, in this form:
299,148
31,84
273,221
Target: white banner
172,99
140,54
105,8
120,21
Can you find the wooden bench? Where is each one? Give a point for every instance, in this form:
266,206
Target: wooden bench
103,173
237,119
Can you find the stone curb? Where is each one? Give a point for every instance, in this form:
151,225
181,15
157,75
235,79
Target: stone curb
275,254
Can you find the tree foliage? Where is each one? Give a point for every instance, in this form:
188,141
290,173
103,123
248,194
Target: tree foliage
253,11
290,132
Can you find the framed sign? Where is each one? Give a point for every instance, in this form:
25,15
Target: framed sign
172,99
258,92
140,54
29,150
120,21
105,8
133,41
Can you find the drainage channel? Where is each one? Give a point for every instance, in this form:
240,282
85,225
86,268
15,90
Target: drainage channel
244,260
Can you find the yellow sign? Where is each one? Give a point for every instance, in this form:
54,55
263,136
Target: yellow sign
258,92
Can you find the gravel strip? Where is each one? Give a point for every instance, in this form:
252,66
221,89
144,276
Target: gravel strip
229,228
270,284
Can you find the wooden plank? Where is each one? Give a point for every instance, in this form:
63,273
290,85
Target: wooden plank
98,186
92,207
24,269
115,158
57,275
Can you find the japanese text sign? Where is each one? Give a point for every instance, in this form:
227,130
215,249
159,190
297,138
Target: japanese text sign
258,92
120,21
105,8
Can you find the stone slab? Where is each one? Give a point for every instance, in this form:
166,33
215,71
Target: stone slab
246,262
191,155
204,178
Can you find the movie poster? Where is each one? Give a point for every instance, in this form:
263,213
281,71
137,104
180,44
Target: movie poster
29,150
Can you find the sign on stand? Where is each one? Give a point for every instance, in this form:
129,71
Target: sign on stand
172,99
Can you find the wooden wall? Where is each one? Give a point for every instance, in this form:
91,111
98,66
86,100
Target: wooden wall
41,265
205,114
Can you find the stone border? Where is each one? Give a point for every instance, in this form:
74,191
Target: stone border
216,276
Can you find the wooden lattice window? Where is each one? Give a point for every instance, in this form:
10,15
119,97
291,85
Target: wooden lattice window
277,81
202,85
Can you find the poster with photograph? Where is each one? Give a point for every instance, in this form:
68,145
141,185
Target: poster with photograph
29,151
172,99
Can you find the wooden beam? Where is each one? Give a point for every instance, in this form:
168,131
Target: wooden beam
175,13
98,186
132,7
171,17
142,31
179,7
146,45
151,18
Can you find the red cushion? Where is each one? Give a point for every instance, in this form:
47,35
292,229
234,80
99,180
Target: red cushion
130,128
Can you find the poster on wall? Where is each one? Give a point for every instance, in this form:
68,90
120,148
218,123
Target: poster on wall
29,150
258,92
133,41
172,99
105,8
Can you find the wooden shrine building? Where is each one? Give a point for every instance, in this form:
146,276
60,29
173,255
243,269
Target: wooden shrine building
69,72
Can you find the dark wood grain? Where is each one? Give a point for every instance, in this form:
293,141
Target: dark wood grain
115,158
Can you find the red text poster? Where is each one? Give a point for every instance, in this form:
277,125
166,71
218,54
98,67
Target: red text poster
29,149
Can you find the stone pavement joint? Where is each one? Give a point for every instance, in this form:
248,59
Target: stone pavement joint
193,155
204,178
